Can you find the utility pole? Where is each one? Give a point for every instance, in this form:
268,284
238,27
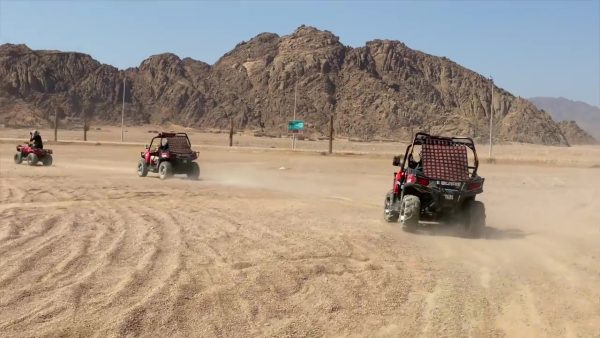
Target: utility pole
123,109
231,132
331,133
86,127
295,99
55,125
491,113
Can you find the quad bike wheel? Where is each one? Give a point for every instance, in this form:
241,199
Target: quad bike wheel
389,214
474,218
194,171
47,160
142,168
165,170
32,159
18,158
410,212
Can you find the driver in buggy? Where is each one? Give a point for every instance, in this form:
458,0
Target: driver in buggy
417,165
163,147
35,140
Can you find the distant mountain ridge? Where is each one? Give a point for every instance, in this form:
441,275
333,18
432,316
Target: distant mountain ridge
561,109
383,89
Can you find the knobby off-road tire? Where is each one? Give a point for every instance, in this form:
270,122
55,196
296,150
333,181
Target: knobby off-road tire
142,168
194,171
165,170
389,213
410,212
47,160
474,218
18,158
32,159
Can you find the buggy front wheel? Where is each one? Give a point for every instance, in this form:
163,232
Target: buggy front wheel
18,158
142,168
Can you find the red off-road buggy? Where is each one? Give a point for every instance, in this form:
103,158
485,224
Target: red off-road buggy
178,158
32,155
437,182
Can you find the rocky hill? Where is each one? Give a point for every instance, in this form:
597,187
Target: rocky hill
561,109
574,134
383,89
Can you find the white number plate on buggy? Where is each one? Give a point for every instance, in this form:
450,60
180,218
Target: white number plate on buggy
449,196
449,184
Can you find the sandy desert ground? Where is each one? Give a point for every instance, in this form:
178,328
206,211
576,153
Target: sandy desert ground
275,243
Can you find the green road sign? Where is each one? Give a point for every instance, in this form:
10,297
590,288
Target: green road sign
295,125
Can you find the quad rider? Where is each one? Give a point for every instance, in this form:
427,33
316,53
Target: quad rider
33,151
36,140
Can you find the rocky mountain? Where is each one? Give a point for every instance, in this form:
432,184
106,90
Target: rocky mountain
574,134
383,89
561,109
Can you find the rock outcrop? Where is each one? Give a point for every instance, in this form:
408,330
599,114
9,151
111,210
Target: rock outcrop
574,134
383,89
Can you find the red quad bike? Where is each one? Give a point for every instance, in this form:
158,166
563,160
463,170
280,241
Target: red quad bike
33,155
436,182
177,159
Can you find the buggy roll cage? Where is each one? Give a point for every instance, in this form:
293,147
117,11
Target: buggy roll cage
169,135
421,139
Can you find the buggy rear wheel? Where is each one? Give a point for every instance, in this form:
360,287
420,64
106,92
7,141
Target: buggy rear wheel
165,170
410,212
193,171
47,160
32,159
18,158
142,168
474,218
390,214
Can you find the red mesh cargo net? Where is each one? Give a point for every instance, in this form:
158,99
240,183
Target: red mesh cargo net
445,160
179,144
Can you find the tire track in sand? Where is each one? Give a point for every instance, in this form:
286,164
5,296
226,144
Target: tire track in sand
68,258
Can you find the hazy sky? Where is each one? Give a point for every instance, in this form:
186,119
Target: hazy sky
531,48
